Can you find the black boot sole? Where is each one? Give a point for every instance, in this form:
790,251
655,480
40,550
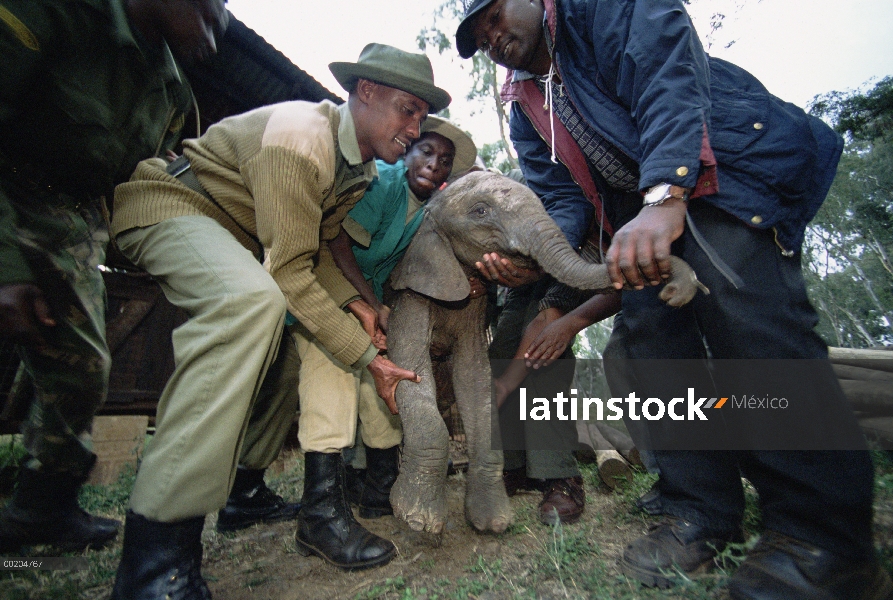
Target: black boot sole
305,549
226,526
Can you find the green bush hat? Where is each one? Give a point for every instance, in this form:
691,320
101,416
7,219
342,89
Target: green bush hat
466,151
394,68
464,35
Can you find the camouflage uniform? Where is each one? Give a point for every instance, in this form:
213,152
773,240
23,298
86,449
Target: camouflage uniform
81,102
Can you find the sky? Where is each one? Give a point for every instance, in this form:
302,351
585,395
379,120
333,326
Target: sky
797,48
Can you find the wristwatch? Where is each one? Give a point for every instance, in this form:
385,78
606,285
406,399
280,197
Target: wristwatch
662,192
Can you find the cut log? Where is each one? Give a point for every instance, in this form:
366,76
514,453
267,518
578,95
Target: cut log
612,467
622,443
879,429
881,360
585,451
861,373
869,396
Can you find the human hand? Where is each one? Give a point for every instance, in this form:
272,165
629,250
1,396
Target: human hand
550,344
505,272
368,318
478,288
387,375
384,315
640,250
23,309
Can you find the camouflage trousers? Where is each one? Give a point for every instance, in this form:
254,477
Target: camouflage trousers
64,242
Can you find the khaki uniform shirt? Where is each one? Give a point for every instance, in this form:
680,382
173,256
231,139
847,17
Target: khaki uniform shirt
286,174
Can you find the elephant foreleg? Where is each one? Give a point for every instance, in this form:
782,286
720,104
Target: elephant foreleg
419,494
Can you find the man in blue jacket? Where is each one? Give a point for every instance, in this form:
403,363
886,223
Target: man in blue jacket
620,119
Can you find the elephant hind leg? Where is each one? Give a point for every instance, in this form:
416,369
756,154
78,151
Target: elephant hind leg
487,506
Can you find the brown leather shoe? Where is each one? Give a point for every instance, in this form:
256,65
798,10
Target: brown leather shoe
563,500
670,548
782,568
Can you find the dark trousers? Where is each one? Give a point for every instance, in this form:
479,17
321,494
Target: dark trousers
822,497
552,458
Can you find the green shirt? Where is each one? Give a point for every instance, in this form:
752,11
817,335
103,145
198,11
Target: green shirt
383,223
81,103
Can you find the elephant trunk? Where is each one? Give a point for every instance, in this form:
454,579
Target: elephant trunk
548,246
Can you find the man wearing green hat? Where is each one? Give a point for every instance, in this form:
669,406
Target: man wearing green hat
233,233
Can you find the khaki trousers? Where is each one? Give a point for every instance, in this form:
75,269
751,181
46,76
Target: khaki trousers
333,396
218,395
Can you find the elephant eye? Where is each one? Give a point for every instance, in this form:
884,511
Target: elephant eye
480,210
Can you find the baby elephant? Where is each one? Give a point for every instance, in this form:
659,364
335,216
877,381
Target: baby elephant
481,212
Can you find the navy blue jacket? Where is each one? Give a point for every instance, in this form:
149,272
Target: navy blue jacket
638,74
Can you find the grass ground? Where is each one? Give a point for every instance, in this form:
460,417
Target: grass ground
530,560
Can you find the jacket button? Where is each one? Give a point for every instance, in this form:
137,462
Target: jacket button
708,183
757,126
682,171
756,219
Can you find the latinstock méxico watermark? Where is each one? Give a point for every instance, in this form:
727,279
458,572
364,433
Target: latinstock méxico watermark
652,409
683,405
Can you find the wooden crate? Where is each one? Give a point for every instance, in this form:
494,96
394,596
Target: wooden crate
118,442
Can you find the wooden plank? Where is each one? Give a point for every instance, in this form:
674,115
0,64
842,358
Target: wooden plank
881,360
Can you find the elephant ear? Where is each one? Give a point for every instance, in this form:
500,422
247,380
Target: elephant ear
430,268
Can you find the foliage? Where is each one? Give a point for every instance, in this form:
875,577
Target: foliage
485,81
849,243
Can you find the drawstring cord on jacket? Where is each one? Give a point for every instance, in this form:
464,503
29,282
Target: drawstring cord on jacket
548,105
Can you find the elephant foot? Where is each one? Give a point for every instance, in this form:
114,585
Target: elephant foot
487,506
419,497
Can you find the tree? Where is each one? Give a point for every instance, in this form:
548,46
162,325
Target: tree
486,80
849,244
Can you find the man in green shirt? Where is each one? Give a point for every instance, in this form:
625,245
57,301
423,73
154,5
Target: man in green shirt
87,89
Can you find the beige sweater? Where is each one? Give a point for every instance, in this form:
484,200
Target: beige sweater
288,174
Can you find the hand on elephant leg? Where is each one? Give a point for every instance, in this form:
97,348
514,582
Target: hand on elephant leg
387,375
368,318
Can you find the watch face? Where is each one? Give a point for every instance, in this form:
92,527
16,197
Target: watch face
657,194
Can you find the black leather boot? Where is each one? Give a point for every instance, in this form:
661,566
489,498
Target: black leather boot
161,560
674,549
382,467
356,481
44,510
251,502
326,525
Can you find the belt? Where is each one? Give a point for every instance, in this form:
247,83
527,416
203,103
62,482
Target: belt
182,170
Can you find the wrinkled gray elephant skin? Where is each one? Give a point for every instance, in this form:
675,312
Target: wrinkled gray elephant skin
479,213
